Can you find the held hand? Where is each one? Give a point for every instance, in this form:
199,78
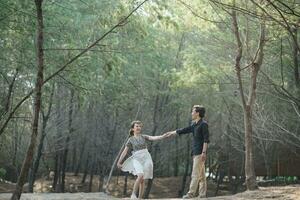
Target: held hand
165,135
170,134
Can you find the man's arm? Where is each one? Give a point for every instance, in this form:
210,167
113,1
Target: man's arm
206,140
205,145
185,130
203,154
180,131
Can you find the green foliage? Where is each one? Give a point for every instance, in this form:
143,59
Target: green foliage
179,53
286,179
2,173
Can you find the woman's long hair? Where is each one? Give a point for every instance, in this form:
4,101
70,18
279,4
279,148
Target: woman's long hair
132,126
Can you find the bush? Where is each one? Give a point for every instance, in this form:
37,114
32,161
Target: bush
2,173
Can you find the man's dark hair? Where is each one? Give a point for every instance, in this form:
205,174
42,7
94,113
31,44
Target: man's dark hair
199,109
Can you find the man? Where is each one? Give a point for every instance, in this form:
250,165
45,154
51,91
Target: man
199,128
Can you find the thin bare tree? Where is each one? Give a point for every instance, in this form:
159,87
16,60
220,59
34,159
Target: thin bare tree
248,103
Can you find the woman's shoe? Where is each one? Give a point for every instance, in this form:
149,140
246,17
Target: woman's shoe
188,196
133,196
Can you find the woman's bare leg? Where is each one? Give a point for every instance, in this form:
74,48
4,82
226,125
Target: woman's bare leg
137,184
141,189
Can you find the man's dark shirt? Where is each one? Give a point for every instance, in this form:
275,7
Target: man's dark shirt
200,135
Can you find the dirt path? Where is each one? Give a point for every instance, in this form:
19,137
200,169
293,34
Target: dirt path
60,196
278,193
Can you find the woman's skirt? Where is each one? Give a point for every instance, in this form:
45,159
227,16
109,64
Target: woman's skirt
139,163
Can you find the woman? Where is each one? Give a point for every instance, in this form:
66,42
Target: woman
140,163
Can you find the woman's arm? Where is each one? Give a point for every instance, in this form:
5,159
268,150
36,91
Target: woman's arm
123,154
154,138
170,134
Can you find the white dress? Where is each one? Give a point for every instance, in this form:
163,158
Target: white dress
140,162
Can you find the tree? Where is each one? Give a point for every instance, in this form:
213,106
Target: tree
37,102
248,104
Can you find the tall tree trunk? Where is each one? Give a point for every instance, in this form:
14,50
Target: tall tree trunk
92,172
74,156
155,125
150,181
114,165
86,168
218,178
36,162
249,162
37,104
59,169
15,144
178,64
186,170
56,171
248,105
148,188
66,146
106,161
113,132
101,180
176,147
125,185
56,186
35,166
10,92
295,59
80,156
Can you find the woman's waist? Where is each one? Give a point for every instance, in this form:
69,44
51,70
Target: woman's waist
140,151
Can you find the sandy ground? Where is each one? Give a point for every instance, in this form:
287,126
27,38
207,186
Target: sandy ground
59,196
291,192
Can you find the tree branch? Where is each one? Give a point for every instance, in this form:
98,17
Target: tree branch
238,56
196,14
67,64
258,59
289,8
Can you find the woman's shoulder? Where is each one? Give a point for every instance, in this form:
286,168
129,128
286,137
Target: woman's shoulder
129,139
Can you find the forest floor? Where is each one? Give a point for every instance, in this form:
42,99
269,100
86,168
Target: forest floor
163,188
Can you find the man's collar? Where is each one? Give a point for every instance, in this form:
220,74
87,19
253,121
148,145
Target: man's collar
199,121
